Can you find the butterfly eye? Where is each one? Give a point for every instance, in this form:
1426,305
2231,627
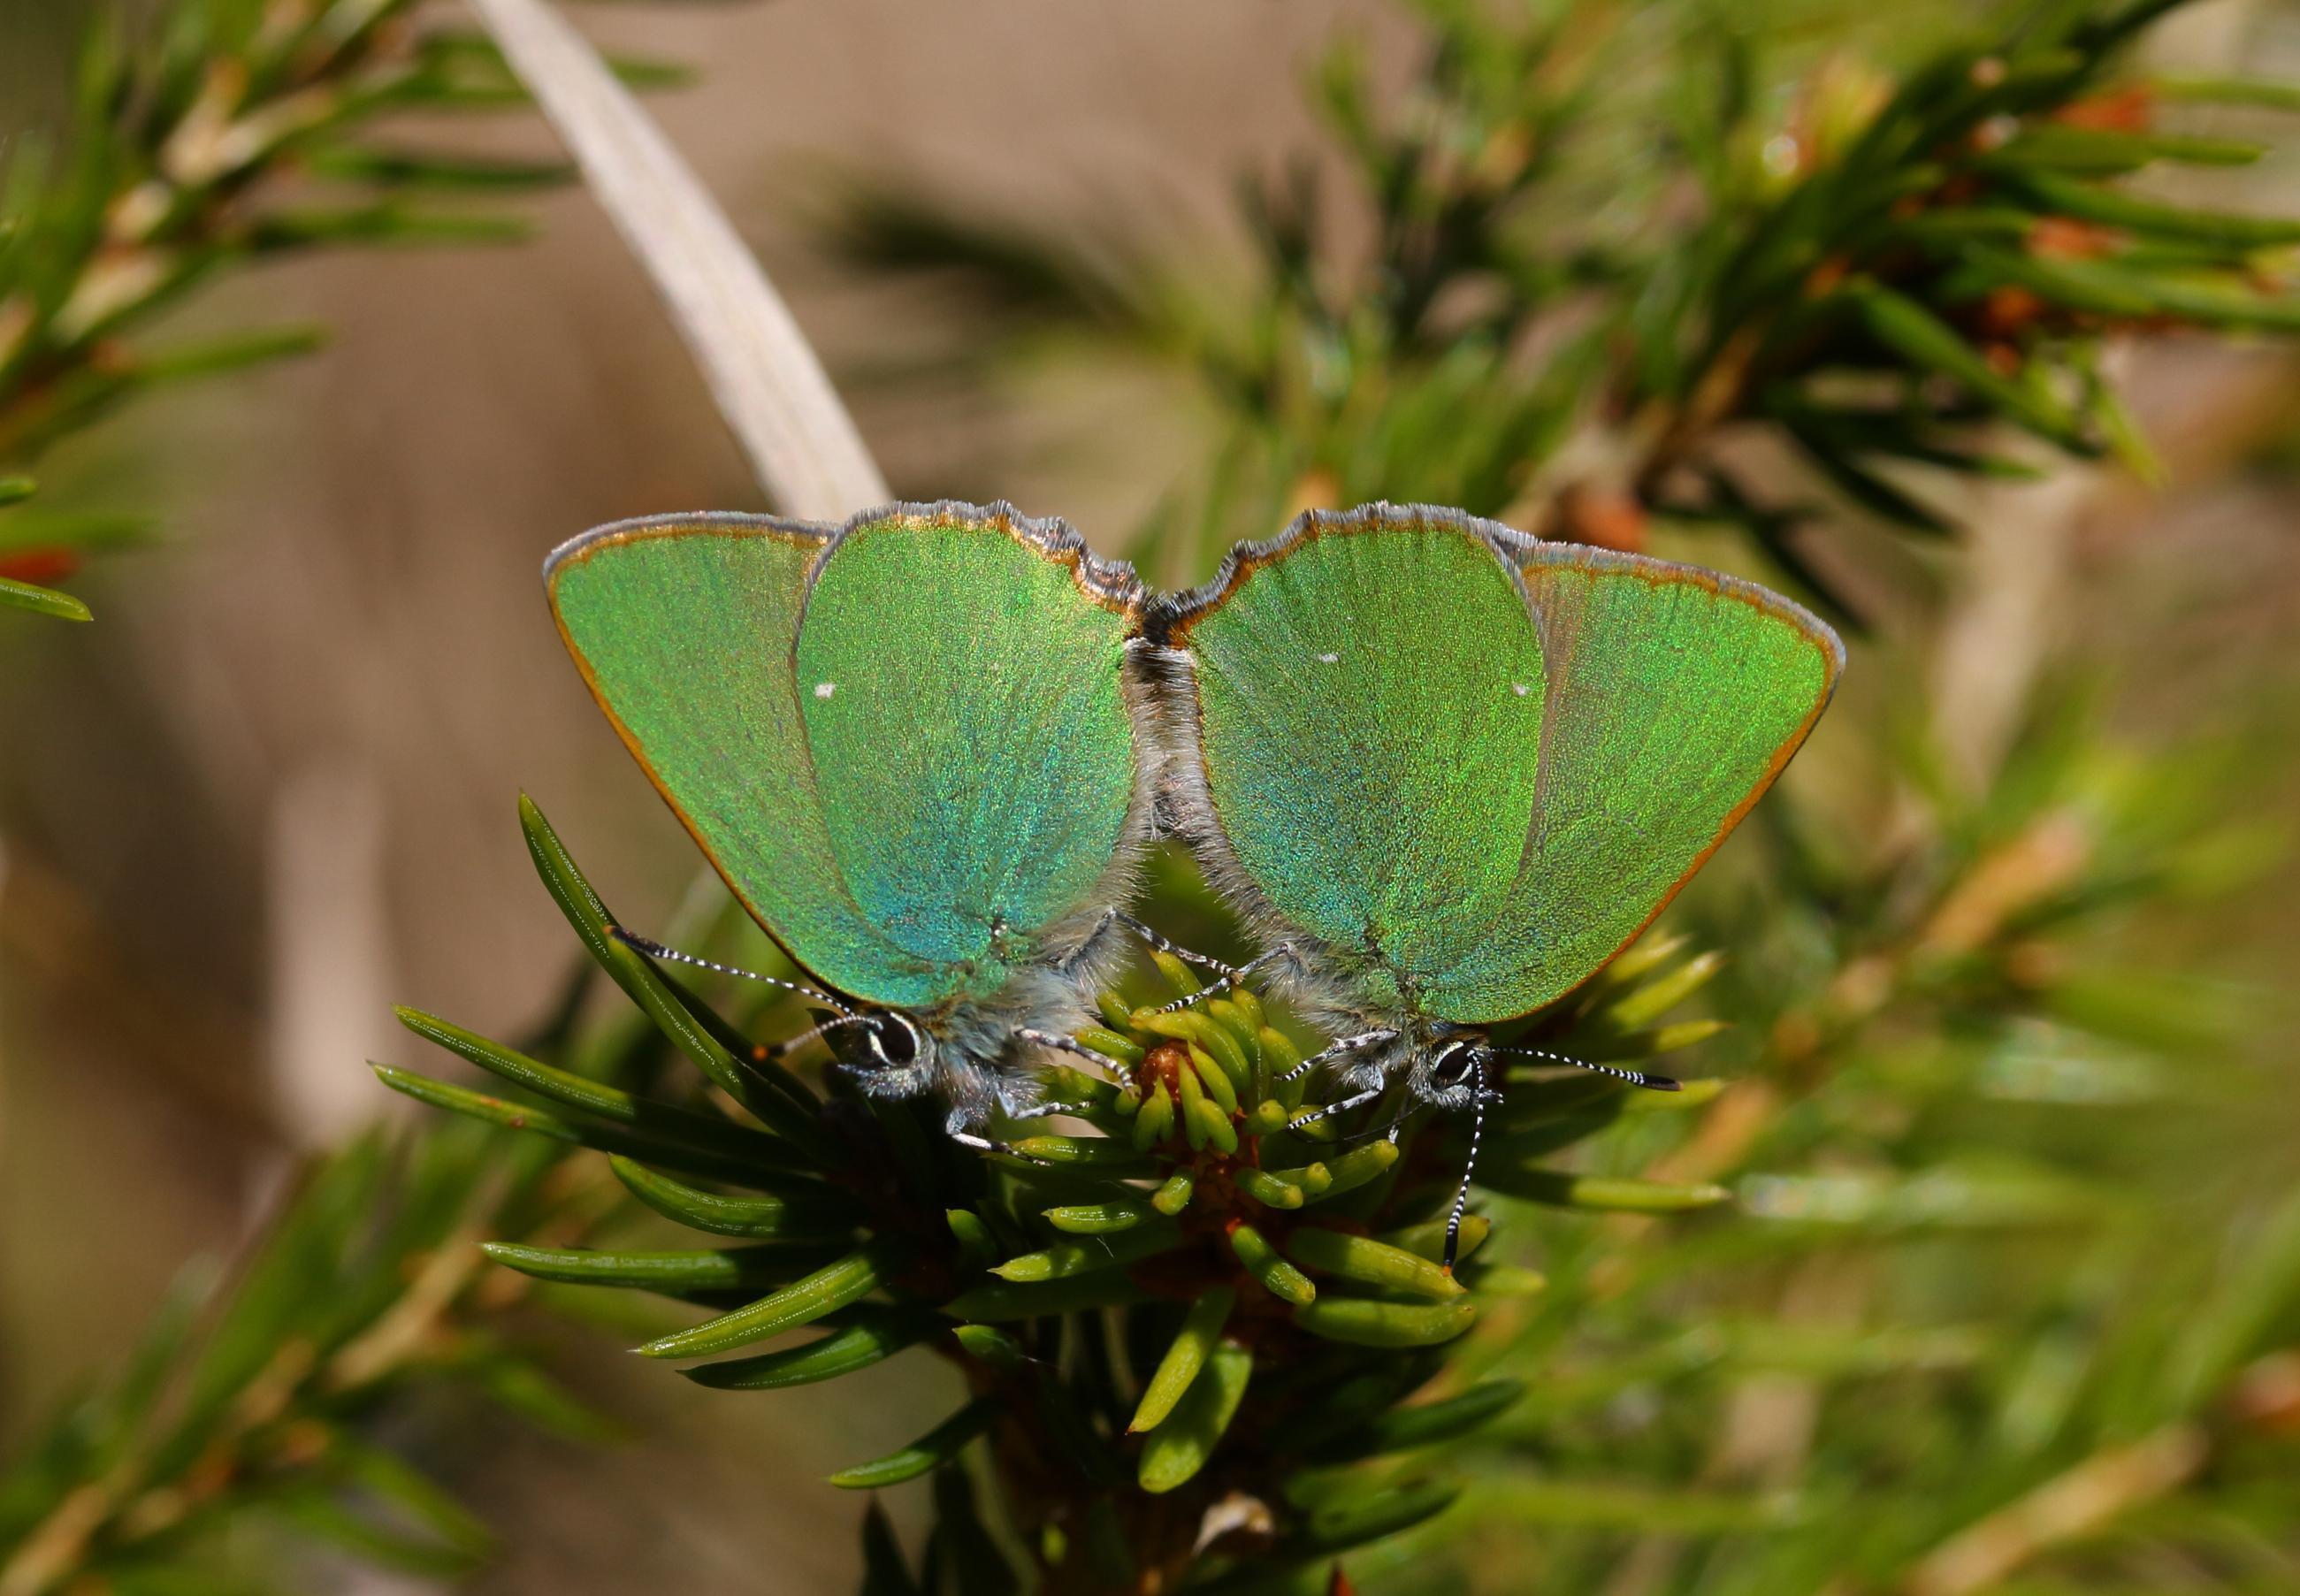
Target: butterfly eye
894,1040
1455,1065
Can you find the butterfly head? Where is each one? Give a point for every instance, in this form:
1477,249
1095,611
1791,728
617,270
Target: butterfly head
890,1055
892,1040
1451,1074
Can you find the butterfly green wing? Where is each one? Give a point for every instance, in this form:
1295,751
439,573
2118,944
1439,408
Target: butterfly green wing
684,628
1475,765
961,677
904,743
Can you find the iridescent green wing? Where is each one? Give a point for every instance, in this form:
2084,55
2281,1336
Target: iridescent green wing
960,674
904,744
1370,783
684,627
1475,764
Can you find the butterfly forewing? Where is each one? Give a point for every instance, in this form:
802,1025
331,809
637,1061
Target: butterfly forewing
684,627
905,743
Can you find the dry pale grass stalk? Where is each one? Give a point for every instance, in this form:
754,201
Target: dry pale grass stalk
766,379
2063,1508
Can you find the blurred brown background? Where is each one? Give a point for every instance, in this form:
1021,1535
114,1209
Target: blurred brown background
273,794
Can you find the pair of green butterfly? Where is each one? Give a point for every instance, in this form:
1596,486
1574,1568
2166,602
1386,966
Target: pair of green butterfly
1443,771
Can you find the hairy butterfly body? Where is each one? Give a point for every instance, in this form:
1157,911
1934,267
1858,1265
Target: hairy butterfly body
910,745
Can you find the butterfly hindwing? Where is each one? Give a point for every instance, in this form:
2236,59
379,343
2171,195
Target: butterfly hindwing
1469,762
1676,696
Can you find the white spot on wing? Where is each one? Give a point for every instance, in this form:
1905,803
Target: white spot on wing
825,689
1328,659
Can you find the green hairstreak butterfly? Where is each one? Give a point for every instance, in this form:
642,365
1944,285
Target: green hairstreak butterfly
1446,772
910,746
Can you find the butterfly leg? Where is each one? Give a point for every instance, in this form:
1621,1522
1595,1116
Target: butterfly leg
1339,1050
1231,977
1390,1132
1064,1045
990,1144
1636,1077
1357,1101
1119,917
1482,1099
1047,1039
655,950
